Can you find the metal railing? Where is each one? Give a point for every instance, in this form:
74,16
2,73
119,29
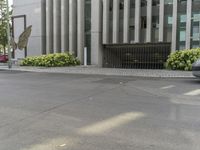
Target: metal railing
138,56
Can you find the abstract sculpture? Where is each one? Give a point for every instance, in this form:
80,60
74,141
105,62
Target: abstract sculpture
23,39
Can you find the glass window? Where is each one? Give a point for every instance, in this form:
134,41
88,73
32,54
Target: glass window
143,22
183,1
168,2
195,46
156,3
196,17
195,33
183,18
196,24
169,19
143,3
182,46
88,29
155,21
182,35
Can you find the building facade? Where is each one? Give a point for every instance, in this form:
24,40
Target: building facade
71,25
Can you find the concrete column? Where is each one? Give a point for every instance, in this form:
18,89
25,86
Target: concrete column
149,21
161,20
174,25
137,20
49,25
116,21
73,27
106,21
64,25
57,25
43,27
81,30
188,24
126,21
96,32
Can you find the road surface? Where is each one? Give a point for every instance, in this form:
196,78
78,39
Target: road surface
41,111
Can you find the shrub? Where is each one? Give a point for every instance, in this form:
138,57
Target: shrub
51,60
183,60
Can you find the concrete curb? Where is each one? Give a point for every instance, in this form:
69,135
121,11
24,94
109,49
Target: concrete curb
92,70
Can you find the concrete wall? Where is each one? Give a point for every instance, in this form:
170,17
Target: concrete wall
32,10
101,25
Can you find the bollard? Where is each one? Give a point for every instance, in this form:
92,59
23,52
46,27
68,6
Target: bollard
85,56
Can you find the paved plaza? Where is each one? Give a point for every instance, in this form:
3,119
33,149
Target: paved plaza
59,111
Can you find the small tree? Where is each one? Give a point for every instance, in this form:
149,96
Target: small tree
3,26
3,36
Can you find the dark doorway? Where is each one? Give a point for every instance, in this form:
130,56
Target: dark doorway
138,56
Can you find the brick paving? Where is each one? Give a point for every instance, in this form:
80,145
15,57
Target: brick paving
92,70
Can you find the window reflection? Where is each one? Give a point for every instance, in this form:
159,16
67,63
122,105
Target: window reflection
196,24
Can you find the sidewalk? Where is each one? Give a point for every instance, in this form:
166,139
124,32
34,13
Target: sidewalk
92,70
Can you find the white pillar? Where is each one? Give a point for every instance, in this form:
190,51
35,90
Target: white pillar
73,27
64,25
174,24
137,20
106,21
126,21
188,24
57,25
49,25
161,20
116,21
81,30
96,32
149,21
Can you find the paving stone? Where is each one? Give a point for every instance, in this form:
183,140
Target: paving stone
92,70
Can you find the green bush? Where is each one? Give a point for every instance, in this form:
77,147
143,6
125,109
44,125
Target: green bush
183,60
51,60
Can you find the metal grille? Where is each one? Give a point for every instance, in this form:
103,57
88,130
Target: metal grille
138,56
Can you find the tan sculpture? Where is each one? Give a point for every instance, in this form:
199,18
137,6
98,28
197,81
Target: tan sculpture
23,39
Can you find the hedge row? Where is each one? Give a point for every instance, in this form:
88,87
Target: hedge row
183,60
51,60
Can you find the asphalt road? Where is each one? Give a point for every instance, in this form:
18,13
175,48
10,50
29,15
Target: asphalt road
40,111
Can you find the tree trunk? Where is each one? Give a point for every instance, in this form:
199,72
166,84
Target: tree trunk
4,50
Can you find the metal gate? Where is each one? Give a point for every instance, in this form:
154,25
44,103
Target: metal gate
13,30
138,56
